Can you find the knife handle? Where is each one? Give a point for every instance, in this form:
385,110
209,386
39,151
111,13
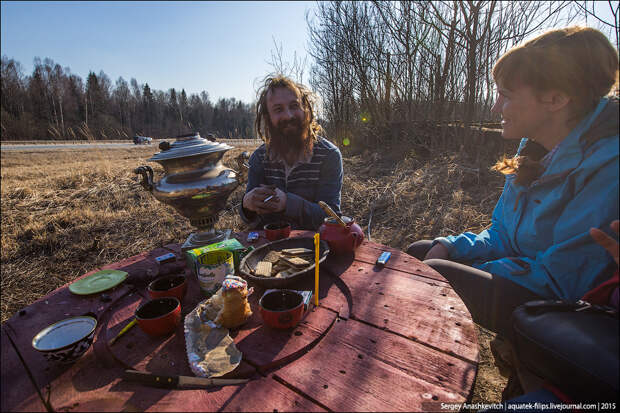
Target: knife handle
123,331
150,379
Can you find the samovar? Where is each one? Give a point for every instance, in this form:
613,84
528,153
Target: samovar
196,183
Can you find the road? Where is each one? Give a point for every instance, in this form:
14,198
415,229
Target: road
65,146
108,145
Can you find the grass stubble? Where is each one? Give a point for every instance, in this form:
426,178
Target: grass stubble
66,212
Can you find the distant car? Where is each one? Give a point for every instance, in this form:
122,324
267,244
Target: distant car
139,140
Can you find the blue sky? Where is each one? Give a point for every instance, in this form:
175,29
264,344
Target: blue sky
220,47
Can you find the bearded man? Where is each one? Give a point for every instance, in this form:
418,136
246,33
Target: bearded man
295,167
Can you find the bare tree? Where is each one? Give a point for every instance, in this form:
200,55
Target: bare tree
588,10
399,63
294,69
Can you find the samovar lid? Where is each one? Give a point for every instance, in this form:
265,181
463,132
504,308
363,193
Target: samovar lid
188,145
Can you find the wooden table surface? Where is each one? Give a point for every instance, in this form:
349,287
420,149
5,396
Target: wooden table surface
396,338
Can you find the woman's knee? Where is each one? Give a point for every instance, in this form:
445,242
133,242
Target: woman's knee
419,248
438,264
456,271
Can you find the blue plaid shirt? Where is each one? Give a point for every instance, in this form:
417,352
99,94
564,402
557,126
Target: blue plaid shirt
319,179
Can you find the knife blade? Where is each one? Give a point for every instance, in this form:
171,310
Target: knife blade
181,382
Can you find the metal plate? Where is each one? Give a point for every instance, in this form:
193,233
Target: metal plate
64,333
249,261
97,282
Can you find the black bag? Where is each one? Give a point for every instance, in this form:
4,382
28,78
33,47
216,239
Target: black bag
574,346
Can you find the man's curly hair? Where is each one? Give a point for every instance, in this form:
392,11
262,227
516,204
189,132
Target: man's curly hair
271,82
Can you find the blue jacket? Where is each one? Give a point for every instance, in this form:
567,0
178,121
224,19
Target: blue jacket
318,180
539,236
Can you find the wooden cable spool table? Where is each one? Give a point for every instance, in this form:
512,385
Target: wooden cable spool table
393,338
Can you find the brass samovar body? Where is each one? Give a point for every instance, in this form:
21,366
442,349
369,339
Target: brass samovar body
195,183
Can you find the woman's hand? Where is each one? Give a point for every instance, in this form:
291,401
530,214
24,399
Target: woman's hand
437,251
605,241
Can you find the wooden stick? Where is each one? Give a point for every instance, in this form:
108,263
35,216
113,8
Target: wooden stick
331,213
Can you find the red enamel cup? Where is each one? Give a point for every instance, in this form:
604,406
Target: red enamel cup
168,286
277,230
159,316
281,308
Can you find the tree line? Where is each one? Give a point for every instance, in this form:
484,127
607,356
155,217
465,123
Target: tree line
53,103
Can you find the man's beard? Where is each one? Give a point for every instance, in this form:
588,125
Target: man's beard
289,140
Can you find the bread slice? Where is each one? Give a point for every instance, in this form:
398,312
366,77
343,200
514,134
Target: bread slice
279,266
272,257
263,269
297,251
284,274
296,261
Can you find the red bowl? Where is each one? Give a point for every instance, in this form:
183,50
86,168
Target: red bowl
277,230
159,316
281,308
169,286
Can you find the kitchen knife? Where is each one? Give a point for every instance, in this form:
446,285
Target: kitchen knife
181,382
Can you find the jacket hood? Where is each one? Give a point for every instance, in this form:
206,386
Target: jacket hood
599,124
605,125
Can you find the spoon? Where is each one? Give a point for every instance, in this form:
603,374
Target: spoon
331,213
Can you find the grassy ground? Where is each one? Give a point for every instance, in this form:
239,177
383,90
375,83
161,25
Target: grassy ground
66,212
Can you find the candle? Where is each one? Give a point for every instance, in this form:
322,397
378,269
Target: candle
317,238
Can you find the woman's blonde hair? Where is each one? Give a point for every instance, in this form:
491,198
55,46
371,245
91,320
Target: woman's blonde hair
578,61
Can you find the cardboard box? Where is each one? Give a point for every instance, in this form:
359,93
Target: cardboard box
232,245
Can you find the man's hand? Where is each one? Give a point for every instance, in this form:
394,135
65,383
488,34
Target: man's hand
278,201
605,241
254,200
437,251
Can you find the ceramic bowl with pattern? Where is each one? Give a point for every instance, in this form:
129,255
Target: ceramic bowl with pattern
66,340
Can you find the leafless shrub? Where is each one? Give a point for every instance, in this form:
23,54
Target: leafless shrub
379,65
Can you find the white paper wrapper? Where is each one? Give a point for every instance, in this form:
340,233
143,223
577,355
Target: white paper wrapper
211,352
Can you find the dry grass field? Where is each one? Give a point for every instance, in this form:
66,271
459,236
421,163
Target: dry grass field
68,211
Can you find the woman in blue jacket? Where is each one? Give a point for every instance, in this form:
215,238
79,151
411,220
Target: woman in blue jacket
552,92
